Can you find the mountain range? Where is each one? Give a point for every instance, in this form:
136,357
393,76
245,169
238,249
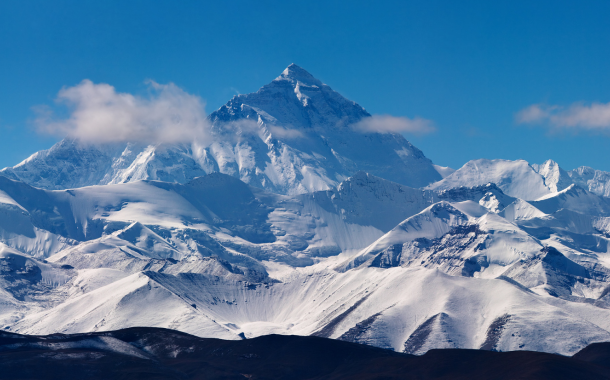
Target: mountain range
292,221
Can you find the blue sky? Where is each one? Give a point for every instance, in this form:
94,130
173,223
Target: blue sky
469,66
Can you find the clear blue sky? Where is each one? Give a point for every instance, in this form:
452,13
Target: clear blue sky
469,66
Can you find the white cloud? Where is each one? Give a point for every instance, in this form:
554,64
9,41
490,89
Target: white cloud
577,116
532,114
392,124
100,114
285,133
97,113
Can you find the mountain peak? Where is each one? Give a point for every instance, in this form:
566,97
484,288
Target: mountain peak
295,73
555,178
547,165
515,178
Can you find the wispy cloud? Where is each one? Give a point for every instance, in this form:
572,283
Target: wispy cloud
236,129
98,113
392,124
578,116
286,133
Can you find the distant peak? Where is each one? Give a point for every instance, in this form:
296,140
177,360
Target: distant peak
296,73
549,162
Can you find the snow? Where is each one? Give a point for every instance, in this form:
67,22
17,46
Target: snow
515,178
444,171
576,199
555,178
521,210
404,298
596,181
135,300
88,280
6,199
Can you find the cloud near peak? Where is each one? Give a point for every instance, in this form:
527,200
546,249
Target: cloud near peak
98,113
577,116
393,124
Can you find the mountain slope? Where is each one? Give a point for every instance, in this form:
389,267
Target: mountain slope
380,307
515,178
574,198
596,181
555,178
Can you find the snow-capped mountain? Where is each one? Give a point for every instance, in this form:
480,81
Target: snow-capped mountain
515,178
292,136
292,222
520,179
596,181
